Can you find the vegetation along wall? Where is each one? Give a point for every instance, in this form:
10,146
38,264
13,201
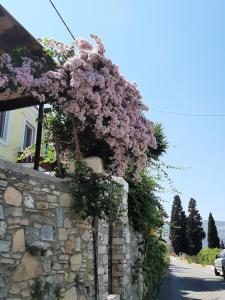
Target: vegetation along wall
47,252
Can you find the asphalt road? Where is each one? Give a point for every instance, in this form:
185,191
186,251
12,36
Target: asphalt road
192,282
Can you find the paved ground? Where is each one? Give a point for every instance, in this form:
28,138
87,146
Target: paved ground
191,282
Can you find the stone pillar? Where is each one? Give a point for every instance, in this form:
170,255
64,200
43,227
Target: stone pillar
121,250
103,230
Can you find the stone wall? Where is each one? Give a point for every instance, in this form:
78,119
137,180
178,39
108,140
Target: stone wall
136,260
42,239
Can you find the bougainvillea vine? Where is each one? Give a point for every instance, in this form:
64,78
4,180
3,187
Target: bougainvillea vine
90,88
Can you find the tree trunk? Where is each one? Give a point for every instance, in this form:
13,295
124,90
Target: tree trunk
75,140
59,167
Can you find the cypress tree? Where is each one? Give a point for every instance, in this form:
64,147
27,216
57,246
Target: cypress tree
222,244
195,232
213,239
178,227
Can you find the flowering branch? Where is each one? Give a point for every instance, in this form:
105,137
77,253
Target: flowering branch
89,87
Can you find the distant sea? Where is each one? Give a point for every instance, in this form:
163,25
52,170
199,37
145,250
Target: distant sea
220,228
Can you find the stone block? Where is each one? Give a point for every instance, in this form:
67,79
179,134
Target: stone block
113,297
57,267
14,289
45,190
69,247
67,223
71,277
47,266
24,222
39,245
23,285
49,253
3,183
100,271
51,198
32,234
47,233
4,283
2,176
86,236
25,293
4,246
75,262
28,269
62,234
13,220
66,200
18,241
37,225
32,182
59,217
118,256
103,294
16,212
102,249
123,182
95,163
2,216
56,193
12,196
36,189
42,205
28,200
118,241
105,278
63,257
8,261
71,294
78,244
116,273
2,230
7,255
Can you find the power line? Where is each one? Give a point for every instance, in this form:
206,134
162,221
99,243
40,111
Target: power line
67,27
187,114
154,109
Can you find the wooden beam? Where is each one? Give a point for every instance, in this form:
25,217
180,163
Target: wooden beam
16,103
38,138
14,35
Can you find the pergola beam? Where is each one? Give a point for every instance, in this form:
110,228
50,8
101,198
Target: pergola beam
16,103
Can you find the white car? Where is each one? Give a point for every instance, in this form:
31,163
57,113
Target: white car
219,264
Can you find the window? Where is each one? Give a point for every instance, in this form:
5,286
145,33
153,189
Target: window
28,135
4,120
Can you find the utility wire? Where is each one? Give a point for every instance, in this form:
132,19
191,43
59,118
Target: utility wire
187,114
67,27
154,109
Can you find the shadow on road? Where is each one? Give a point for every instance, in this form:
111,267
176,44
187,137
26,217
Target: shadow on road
185,282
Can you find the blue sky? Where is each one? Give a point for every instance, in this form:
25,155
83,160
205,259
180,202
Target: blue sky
175,51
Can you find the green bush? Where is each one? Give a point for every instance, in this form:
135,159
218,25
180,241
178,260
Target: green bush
155,266
205,257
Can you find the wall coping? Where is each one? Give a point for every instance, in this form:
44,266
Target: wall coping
121,181
10,166
113,297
